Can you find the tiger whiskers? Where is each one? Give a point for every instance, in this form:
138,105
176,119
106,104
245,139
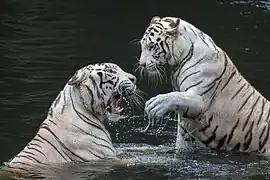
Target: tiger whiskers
137,99
135,41
154,77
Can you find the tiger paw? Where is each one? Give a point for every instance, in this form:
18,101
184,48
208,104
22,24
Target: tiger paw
161,104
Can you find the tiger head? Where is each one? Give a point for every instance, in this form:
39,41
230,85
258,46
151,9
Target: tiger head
157,43
102,87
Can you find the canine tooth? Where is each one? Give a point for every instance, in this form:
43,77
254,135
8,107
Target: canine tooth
120,109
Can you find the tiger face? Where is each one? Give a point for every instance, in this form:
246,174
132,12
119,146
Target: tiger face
102,87
156,43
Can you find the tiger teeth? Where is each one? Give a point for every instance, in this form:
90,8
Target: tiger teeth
119,109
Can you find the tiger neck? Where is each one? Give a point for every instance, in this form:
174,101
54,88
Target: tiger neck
68,104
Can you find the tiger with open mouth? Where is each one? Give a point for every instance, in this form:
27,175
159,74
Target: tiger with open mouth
74,129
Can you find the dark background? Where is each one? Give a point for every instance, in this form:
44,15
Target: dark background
43,42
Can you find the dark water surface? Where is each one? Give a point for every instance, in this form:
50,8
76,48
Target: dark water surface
43,42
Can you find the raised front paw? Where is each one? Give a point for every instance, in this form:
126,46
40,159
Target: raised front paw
159,105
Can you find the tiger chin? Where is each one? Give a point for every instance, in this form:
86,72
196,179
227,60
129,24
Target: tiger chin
74,129
221,109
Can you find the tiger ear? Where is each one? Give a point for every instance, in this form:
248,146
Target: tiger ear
155,19
173,26
77,78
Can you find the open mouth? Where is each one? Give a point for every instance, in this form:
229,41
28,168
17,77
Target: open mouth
114,104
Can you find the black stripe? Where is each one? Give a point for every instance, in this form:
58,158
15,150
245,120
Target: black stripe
99,138
26,152
249,130
155,30
191,74
163,50
208,125
268,115
92,102
212,137
116,82
201,35
88,121
33,144
246,100
64,146
29,157
185,114
95,87
185,28
166,43
187,57
248,137
52,122
229,79
108,82
192,30
56,101
222,73
215,91
232,131
53,147
262,132
221,141
238,91
101,81
241,78
159,27
32,148
194,85
260,117
159,24
105,146
236,147
252,109
91,94
262,143
207,90
196,63
36,139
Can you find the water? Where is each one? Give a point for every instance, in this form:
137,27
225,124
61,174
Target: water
43,42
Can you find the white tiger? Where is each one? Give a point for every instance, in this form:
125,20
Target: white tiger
73,130
221,109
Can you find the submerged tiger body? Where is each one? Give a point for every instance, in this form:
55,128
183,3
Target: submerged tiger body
74,129
221,109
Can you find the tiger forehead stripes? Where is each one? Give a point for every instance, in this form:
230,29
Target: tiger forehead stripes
220,108
156,43
74,129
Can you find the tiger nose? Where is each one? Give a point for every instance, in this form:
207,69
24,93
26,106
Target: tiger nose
132,78
143,64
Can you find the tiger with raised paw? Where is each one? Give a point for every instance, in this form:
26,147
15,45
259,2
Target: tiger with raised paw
221,109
